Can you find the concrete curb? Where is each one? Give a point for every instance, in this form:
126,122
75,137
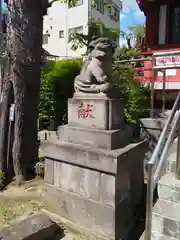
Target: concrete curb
38,226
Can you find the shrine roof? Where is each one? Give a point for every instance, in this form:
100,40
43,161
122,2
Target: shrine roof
141,4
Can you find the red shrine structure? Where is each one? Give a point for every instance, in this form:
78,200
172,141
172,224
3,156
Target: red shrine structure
162,43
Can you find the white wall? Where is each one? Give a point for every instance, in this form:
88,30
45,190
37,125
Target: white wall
105,18
60,17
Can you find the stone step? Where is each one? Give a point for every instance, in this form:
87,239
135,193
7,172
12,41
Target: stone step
169,188
171,159
166,218
161,237
105,139
156,236
171,163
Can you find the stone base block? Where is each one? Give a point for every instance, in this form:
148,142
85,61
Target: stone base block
98,189
97,112
102,221
111,139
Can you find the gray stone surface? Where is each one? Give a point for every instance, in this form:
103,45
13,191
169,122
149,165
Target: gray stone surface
165,226
90,214
167,209
96,73
166,218
169,188
82,181
95,112
49,171
96,174
97,218
96,159
150,129
110,139
163,237
97,188
157,236
171,160
153,123
38,226
166,212
71,229
47,134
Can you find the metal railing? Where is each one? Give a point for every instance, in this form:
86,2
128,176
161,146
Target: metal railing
158,159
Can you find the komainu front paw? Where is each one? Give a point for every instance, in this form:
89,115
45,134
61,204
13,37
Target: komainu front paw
102,79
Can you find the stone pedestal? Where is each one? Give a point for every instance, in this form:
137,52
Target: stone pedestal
106,139
93,174
95,112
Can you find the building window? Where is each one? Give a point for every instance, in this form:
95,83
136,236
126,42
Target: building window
61,34
78,3
174,27
114,12
98,5
117,41
76,30
109,9
45,38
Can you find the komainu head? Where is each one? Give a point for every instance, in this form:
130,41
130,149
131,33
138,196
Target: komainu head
95,75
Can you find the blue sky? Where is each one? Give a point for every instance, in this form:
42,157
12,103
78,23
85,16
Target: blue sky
130,16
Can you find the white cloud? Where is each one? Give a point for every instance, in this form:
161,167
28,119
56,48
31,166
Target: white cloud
122,42
126,10
129,5
122,16
139,14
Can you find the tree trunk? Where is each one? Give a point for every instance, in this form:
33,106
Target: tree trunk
5,104
5,101
24,44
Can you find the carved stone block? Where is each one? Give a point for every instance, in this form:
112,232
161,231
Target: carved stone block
98,189
106,139
95,112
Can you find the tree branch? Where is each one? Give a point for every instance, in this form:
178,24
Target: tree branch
50,3
46,4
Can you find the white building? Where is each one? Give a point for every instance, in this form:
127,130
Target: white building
62,20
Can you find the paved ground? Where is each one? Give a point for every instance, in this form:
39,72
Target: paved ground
17,203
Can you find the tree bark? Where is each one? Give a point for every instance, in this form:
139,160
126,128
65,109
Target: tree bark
24,44
5,104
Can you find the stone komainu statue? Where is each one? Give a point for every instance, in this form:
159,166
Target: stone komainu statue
96,73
